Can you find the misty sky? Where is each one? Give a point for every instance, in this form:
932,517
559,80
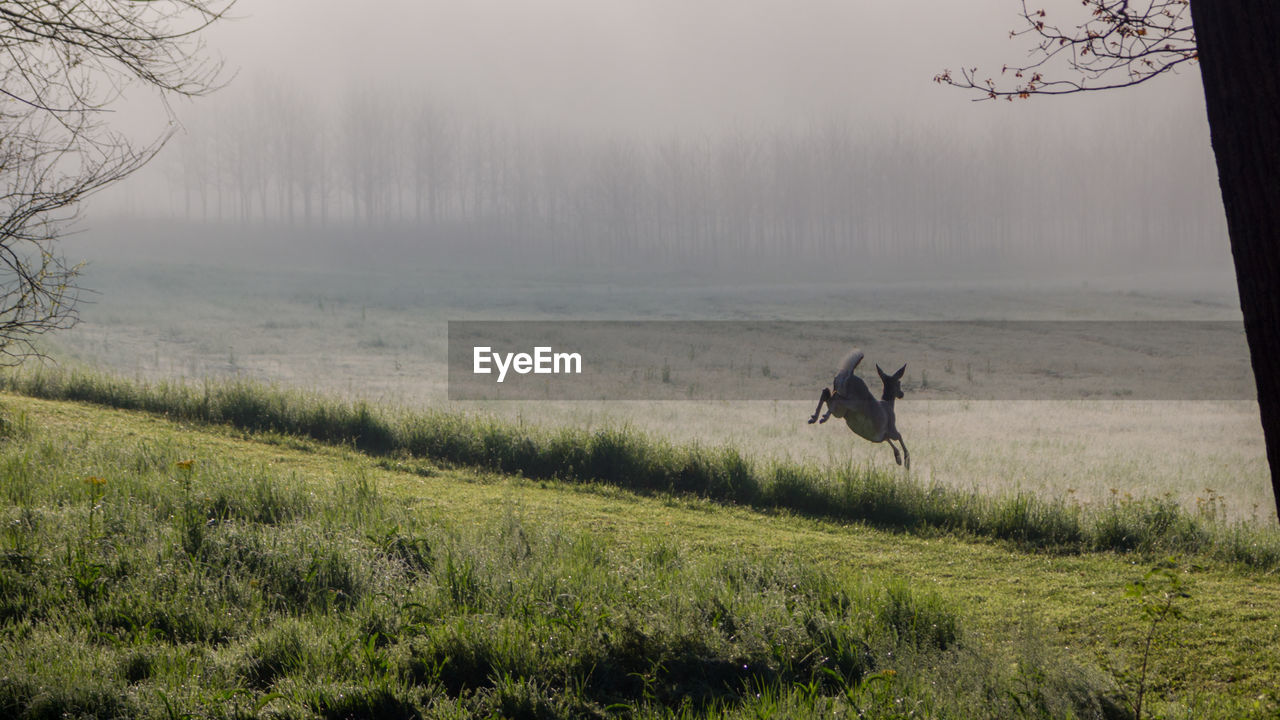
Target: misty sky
658,65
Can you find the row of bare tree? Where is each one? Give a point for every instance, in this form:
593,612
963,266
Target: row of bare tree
372,161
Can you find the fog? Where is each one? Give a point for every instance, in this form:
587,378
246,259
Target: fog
757,138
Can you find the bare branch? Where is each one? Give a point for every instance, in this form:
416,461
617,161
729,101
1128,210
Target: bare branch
1116,47
62,64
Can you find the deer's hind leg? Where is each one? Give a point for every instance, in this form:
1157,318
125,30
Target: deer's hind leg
826,398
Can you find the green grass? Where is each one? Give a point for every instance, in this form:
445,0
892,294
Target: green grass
280,577
1152,528
149,569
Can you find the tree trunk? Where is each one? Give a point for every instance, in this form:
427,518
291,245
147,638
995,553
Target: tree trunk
1239,46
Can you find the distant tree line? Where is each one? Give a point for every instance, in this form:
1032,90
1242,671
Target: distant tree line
829,190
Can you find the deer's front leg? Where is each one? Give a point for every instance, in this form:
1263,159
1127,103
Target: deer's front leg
896,457
826,398
905,462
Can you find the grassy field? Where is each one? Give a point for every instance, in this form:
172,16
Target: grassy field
625,458
271,509
377,333
167,567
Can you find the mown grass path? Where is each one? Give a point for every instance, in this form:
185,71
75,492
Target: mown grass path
1228,645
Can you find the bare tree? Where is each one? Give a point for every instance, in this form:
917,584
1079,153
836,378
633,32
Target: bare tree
65,63
1123,43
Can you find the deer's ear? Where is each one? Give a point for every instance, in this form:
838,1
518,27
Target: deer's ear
883,374
901,370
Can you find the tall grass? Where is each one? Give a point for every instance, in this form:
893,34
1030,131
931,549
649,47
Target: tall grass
136,584
631,460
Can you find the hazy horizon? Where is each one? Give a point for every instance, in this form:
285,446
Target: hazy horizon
745,135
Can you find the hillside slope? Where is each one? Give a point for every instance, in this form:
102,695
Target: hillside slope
154,568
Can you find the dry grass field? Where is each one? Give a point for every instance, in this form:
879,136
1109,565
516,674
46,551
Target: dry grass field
380,335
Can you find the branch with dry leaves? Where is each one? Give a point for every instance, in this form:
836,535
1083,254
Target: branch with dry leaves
1118,44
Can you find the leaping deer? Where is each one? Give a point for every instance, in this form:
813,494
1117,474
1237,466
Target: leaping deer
849,398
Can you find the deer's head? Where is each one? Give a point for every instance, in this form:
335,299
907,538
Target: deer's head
892,383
